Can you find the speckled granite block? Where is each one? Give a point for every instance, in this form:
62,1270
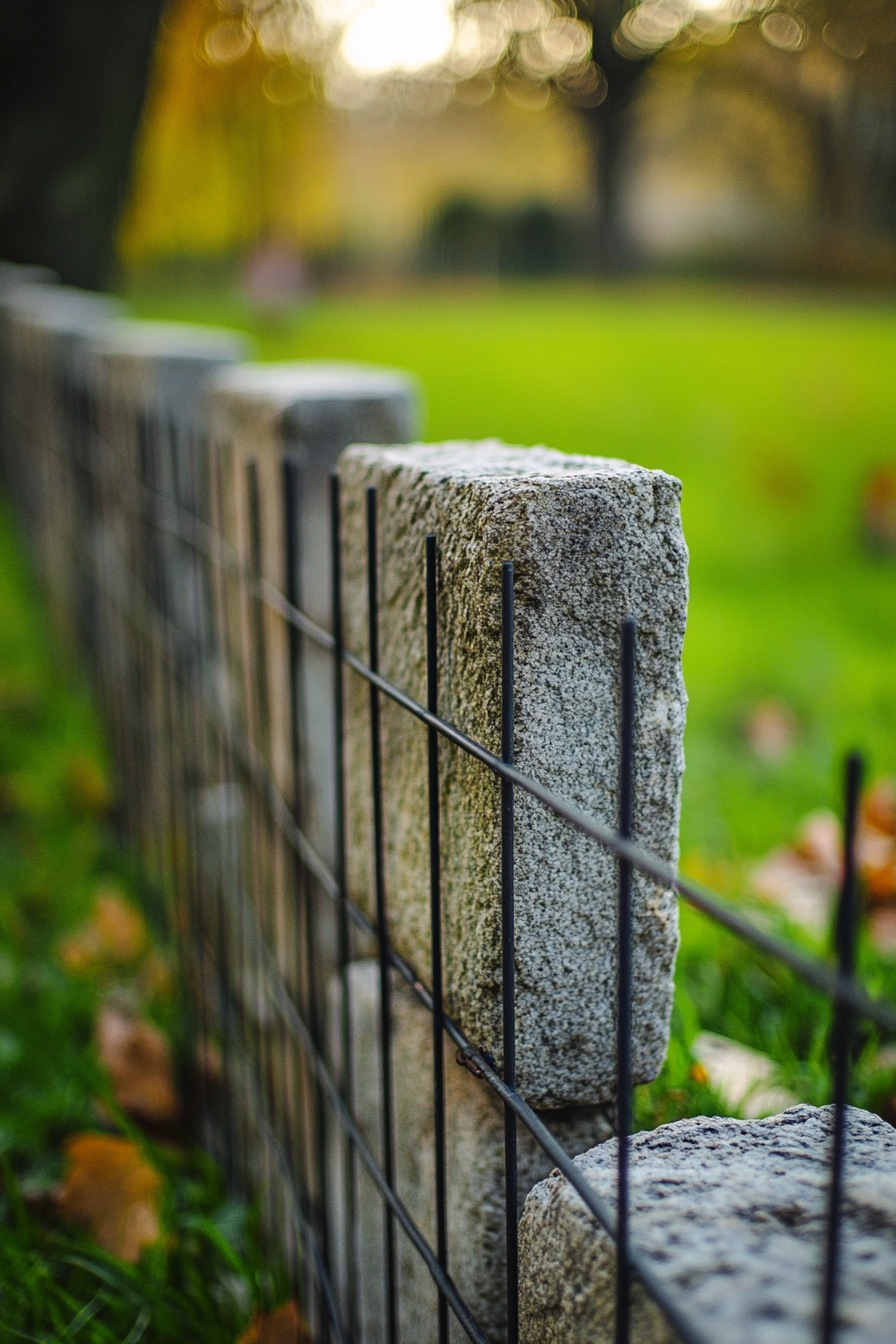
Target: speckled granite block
592,540
260,414
474,1159
730,1215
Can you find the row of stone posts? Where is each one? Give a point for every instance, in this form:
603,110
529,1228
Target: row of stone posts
191,536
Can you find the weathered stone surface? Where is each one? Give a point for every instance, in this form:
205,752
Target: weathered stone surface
475,1163
310,412
730,1215
162,367
593,540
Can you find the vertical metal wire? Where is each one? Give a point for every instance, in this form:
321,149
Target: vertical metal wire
197,639
435,908
624,980
508,954
845,940
219,753
376,767
344,928
302,880
257,680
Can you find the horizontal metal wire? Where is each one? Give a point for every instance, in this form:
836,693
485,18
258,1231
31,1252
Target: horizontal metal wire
835,986
839,988
281,999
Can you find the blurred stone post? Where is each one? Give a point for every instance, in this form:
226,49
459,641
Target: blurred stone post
275,429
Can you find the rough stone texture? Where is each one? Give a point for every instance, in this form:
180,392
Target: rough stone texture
592,540
260,413
730,1215
475,1162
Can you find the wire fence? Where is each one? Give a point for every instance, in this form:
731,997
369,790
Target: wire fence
208,670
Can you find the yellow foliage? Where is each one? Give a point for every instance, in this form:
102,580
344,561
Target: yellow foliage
224,145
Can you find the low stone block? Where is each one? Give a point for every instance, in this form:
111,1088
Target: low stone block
309,412
592,540
475,1167
260,416
150,379
730,1215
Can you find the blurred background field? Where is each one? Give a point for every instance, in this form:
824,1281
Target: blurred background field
775,409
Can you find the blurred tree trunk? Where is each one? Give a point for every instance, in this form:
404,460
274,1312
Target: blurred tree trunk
73,77
609,127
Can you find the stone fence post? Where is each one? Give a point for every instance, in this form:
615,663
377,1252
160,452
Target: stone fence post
475,1168
148,455
731,1216
592,541
275,433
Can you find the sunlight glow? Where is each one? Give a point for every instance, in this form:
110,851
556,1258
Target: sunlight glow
398,35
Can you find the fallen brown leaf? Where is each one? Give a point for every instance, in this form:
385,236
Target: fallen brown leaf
876,842
804,894
113,1193
882,928
879,806
803,878
137,1058
771,730
879,510
283,1326
114,935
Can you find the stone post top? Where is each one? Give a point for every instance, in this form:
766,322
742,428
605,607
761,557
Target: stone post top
129,339
712,1148
731,1215
14,274
163,366
59,309
276,387
492,460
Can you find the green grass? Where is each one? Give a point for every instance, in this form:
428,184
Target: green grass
55,848
771,410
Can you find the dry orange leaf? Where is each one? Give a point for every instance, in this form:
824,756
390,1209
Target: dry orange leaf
283,1326
114,935
113,1193
138,1061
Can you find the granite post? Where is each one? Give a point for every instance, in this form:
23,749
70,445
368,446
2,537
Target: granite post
730,1215
474,1158
592,541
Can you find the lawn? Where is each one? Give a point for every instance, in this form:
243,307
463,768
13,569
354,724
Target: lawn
771,408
